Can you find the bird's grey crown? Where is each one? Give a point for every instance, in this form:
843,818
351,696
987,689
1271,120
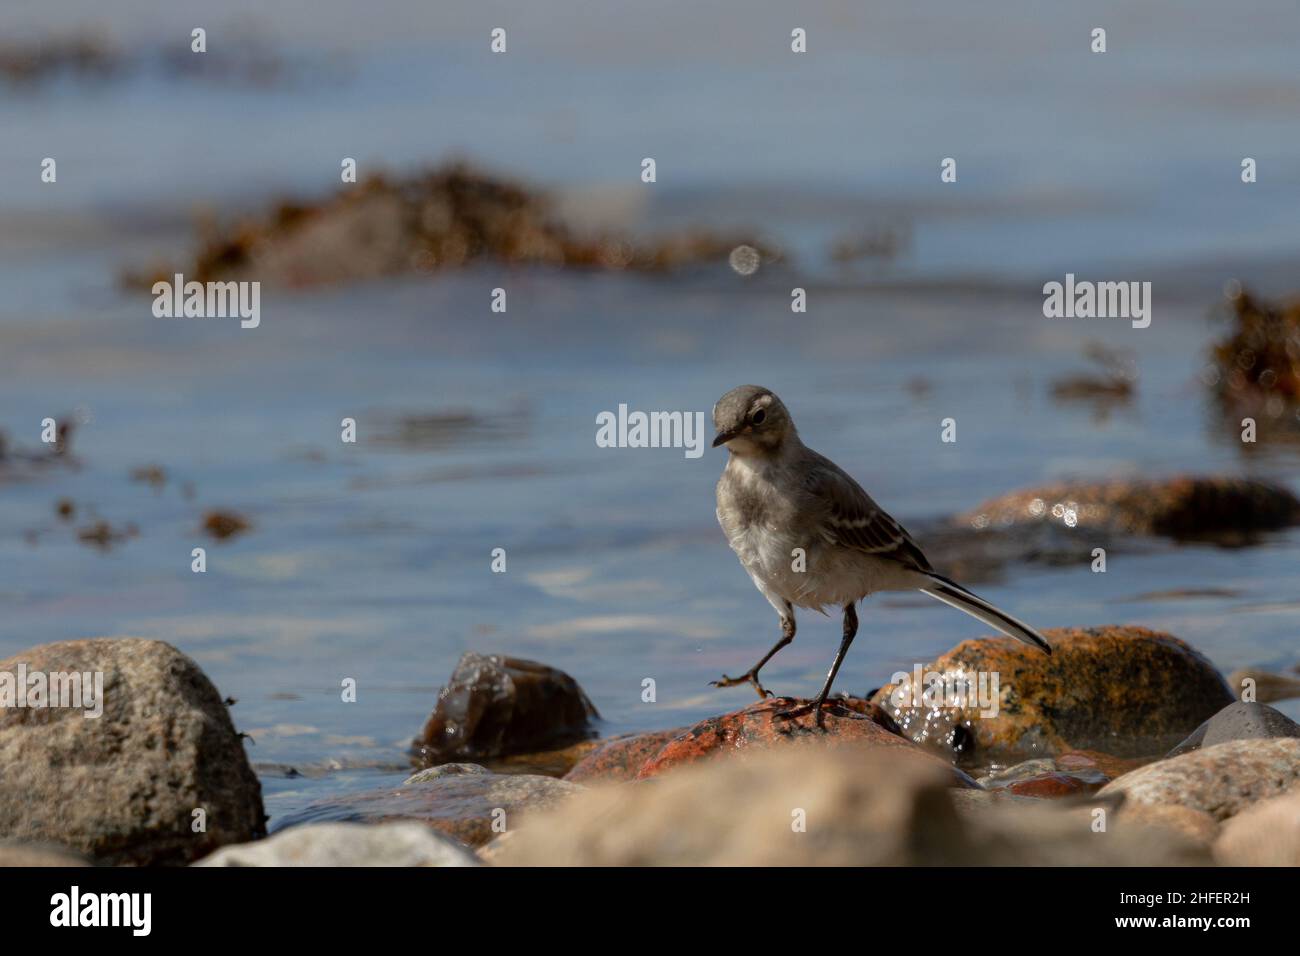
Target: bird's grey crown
733,408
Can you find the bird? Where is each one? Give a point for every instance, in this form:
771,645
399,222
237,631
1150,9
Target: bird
810,537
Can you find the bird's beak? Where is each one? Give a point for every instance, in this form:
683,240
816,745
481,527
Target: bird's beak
722,438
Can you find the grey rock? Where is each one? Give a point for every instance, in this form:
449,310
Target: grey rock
445,770
123,787
1021,771
1239,721
348,844
1222,780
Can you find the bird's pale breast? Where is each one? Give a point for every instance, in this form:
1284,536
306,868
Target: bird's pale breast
773,527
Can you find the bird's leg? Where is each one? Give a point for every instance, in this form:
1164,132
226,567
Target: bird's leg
815,705
751,676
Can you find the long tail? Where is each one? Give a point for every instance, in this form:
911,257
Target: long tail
952,593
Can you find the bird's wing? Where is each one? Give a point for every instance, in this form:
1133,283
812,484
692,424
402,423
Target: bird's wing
850,519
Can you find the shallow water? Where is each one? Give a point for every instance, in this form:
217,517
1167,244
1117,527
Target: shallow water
477,429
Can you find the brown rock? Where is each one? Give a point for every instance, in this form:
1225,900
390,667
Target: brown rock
1052,833
1187,506
1196,825
14,853
820,806
1046,777
123,787
1051,785
1222,780
857,807
756,728
497,705
1267,834
459,800
621,758
1127,690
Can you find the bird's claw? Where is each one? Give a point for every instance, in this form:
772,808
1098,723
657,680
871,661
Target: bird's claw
750,678
793,713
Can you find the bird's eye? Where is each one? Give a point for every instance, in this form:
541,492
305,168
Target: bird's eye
758,416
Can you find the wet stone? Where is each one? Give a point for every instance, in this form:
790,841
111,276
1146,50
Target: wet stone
496,705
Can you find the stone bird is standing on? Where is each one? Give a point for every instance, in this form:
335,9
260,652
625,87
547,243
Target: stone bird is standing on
777,495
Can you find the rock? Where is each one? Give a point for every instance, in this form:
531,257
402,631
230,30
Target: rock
15,853
860,809
1222,780
447,770
1195,825
1053,785
497,705
123,787
491,851
1239,721
1045,777
975,802
1125,690
818,806
347,844
1108,765
1268,687
1267,834
463,803
1021,771
1189,506
621,758
1053,834
755,728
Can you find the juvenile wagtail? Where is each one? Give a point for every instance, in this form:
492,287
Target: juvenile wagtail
776,495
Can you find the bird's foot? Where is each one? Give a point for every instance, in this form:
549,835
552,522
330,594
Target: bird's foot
748,678
810,707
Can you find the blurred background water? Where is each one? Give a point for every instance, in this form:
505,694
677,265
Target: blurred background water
477,429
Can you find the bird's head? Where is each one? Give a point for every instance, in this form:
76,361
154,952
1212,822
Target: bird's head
750,420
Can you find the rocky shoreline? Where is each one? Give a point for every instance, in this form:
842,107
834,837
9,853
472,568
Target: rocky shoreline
1125,746
1085,772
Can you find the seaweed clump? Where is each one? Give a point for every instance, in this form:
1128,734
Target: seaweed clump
446,218
1256,366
